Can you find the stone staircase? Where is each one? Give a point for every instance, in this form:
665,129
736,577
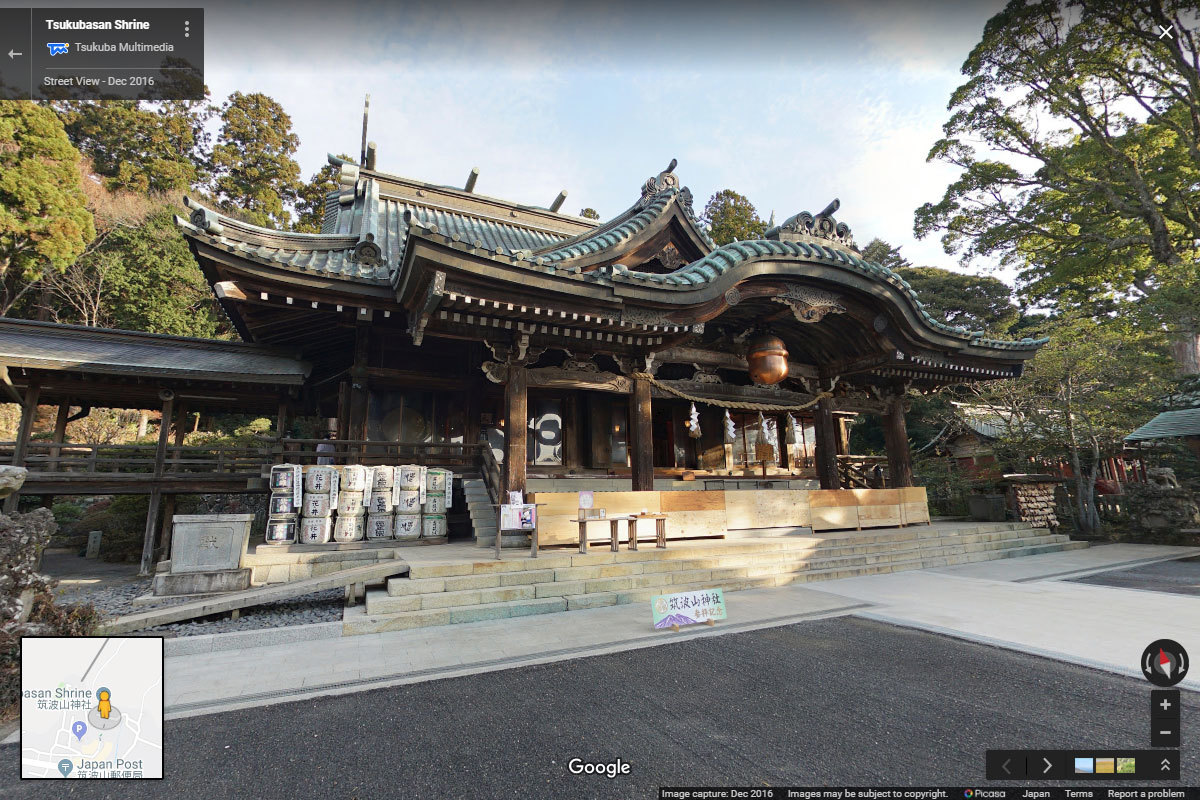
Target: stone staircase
483,516
565,580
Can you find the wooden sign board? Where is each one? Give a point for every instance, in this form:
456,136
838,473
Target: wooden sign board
688,608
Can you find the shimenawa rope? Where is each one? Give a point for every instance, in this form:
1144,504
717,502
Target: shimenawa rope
732,403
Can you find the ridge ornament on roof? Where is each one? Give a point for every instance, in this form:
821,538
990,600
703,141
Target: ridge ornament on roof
820,226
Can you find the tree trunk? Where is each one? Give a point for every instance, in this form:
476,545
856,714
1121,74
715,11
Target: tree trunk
1185,350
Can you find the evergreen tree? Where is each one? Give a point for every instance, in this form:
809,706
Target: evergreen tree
252,164
44,220
310,209
730,216
881,252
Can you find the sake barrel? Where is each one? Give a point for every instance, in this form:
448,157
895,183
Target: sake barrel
408,526
354,479
379,526
433,526
318,479
316,530
384,478
283,477
282,504
348,529
438,480
408,501
281,530
381,502
409,477
350,504
435,503
316,505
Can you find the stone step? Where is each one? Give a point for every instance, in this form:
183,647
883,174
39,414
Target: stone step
359,622
732,567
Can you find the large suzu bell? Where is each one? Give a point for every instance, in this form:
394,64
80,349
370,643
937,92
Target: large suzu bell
768,359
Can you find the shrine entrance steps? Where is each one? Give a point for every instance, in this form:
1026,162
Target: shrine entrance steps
441,589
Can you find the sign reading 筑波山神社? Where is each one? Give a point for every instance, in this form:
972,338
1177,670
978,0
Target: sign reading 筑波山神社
688,608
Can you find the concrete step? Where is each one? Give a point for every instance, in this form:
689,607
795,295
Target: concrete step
591,578
408,614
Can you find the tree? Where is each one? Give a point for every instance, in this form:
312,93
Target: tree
883,253
730,217
310,209
977,302
589,213
44,220
1079,397
142,148
1086,173
252,161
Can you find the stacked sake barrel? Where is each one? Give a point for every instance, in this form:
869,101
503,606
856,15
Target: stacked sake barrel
283,508
353,503
438,485
408,502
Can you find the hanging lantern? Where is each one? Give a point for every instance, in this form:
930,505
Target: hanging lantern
768,359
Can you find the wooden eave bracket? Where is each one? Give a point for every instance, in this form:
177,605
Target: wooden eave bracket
433,298
9,388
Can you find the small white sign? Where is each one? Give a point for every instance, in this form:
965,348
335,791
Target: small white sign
587,499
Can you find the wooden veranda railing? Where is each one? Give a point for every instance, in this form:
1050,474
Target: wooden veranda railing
51,458
863,472
370,453
491,472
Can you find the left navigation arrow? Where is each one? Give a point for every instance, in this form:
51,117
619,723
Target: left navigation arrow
11,54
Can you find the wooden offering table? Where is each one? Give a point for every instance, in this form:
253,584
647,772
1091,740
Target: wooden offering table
660,529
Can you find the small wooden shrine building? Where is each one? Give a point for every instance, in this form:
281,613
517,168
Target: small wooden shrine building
435,314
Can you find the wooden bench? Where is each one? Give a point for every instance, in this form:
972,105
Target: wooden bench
660,521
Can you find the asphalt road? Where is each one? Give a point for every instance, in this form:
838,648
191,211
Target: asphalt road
838,701
1181,576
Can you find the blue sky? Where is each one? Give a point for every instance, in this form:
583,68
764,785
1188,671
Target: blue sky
791,104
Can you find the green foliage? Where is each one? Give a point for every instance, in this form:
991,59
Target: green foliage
141,147
881,252
975,301
67,512
1077,134
141,277
310,208
1080,396
590,213
44,220
252,161
946,486
730,216
123,522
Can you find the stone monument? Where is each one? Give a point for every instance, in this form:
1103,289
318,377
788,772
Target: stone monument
206,555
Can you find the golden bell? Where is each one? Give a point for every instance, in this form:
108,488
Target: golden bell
768,359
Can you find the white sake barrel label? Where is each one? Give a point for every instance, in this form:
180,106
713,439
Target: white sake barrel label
434,527
350,504
281,531
381,502
437,480
435,503
408,526
383,478
408,502
318,479
348,529
410,477
316,531
281,504
354,478
379,526
316,505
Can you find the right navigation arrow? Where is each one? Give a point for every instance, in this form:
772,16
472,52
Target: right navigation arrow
1049,766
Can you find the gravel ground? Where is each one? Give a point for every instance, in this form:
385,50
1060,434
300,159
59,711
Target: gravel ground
112,588
1181,576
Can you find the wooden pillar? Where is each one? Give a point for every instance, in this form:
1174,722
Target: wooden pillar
160,457
843,436
60,433
895,438
641,454
571,431
283,418
781,445
516,423
21,448
826,425
163,551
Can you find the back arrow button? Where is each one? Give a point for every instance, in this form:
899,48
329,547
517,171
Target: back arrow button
11,54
